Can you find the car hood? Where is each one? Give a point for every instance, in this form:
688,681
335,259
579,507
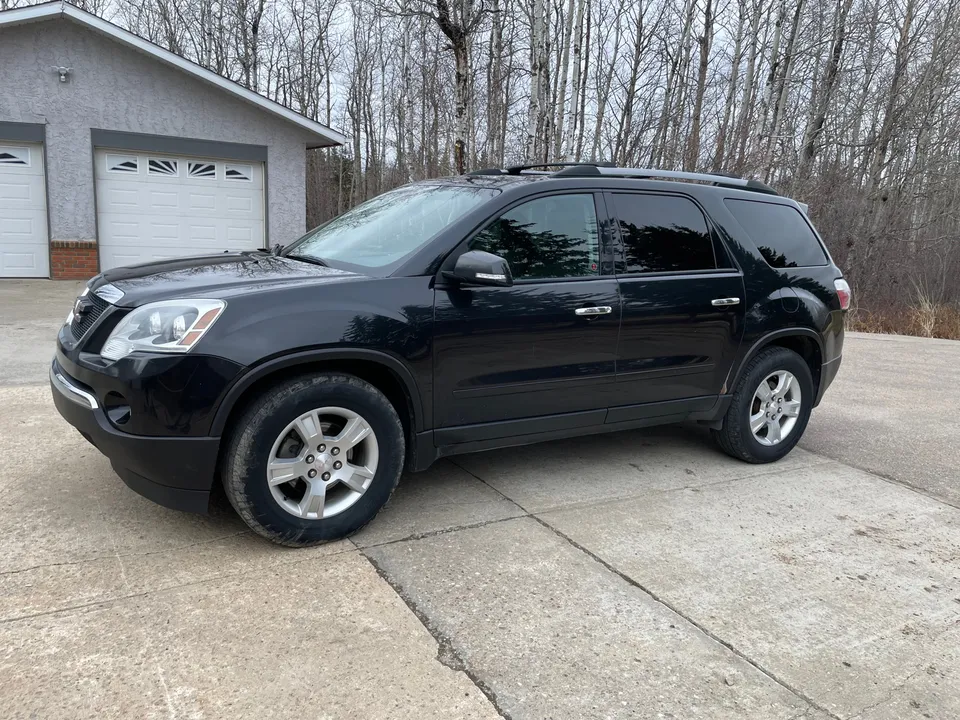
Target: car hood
218,276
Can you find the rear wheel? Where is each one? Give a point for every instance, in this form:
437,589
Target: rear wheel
770,408
314,459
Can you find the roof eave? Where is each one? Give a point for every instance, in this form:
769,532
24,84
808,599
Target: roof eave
324,136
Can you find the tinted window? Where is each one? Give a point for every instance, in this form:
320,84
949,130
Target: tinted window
780,233
663,234
551,237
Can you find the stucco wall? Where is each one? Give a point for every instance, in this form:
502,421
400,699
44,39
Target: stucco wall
115,88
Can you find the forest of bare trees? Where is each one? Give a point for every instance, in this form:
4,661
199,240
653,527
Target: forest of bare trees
852,106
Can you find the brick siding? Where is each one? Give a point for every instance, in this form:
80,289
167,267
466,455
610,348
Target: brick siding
73,259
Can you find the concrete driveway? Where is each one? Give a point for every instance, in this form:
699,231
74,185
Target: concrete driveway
641,574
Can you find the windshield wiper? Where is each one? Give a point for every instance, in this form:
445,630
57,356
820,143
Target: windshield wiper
308,259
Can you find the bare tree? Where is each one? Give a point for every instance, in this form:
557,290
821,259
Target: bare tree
850,105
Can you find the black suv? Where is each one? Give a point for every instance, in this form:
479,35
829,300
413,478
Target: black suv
499,308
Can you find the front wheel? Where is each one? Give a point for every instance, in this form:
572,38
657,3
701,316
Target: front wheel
770,408
314,459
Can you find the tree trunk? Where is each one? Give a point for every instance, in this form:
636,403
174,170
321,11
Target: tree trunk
603,92
461,56
626,116
746,98
890,116
495,89
538,88
562,84
718,158
780,99
406,140
693,147
818,114
574,117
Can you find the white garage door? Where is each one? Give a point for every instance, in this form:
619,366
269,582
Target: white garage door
152,207
24,250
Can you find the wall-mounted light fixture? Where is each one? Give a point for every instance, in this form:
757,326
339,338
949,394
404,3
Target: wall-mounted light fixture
63,71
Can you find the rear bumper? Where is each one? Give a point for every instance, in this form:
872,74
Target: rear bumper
828,371
176,472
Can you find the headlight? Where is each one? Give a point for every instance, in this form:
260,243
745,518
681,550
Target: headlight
170,326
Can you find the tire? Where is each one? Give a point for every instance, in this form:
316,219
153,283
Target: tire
736,438
253,445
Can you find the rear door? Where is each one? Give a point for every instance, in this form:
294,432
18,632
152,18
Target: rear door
524,352
683,305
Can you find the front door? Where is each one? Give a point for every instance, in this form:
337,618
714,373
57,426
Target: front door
507,353
683,305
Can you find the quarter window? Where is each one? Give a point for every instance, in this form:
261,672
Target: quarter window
780,233
663,233
550,237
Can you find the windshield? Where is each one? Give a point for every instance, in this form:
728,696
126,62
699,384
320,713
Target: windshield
383,230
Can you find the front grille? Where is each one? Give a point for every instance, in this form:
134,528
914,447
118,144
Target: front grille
85,321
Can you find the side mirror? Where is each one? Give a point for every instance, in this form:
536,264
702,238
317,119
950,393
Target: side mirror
476,267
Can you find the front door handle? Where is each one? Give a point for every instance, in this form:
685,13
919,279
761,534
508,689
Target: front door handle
721,302
590,311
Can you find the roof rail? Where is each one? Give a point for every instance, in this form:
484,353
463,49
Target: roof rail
517,169
608,169
587,170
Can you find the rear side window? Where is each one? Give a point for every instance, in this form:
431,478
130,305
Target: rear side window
780,233
663,233
550,237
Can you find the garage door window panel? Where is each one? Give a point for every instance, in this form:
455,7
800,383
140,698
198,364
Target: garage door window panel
163,167
202,170
15,156
122,163
663,234
240,173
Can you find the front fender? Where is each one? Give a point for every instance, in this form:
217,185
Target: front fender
312,357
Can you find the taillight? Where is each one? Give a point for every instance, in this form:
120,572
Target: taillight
843,293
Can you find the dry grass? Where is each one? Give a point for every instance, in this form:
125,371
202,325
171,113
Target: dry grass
925,319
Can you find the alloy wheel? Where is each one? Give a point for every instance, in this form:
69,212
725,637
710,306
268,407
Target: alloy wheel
775,408
322,463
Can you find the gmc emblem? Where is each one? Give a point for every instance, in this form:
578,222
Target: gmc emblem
82,306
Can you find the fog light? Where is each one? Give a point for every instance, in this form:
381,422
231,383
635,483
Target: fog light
118,411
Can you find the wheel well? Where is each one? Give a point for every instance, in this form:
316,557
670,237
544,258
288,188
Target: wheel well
380,376
804,346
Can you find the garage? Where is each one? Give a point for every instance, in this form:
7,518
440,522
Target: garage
152,206
24,251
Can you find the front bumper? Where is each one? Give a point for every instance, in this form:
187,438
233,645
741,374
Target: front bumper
176,472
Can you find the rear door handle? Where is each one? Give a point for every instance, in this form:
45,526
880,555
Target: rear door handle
589,311
720,302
